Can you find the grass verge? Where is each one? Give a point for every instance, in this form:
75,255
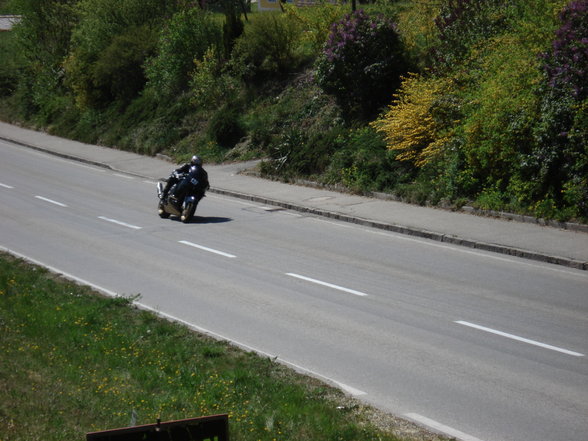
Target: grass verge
73,361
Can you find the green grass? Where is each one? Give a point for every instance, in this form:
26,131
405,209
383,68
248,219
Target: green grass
73,361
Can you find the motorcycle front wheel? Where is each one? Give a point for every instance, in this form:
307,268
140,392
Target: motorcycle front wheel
188,213
162,213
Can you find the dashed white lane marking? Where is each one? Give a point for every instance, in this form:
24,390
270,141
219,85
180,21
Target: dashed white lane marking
210,250
435,425
521,339
330,285
120,175
6,186
117,222
51,201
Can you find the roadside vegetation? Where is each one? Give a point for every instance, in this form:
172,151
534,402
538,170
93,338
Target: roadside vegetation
440,102
93,363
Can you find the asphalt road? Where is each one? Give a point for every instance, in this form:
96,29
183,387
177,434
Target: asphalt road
478,345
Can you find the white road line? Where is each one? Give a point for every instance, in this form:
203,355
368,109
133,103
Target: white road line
51,201
524,340
5,186
438,427
124,224
210,250
330,285
120,175
90,167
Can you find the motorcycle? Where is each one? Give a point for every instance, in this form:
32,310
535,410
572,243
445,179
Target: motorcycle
182,198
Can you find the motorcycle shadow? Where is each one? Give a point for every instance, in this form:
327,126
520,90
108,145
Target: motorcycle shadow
205,220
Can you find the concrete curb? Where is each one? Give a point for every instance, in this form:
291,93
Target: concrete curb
401,229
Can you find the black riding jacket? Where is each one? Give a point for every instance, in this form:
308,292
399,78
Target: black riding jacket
201,175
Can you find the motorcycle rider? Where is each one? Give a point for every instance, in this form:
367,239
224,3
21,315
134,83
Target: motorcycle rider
202,176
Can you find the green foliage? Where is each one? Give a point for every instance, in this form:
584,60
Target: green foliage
502,109
101,20
416,26
463,23
42,41
269,45
297,153
186,37
11,65
44,31
225,126
316,21
5,7
111,42
363,163
211,84
499,75
293,125
118,71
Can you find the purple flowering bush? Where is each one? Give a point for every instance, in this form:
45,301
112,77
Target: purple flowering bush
560,157
361,63
566,65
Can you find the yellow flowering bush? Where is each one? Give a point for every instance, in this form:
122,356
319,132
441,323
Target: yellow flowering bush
411,125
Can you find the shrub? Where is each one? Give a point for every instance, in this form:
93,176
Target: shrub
45,30
501,109
211,85
187,36
560,160
42,40
364,163
316,21
109,46
269,44
462,24
225,126
118,71
11,65
566,65
416,25
101,20
298,153
415,125
361,63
